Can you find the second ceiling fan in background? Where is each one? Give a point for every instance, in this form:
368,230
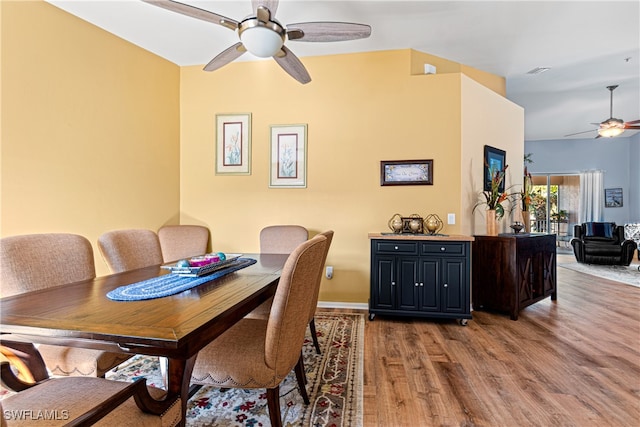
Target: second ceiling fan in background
612,126
263,36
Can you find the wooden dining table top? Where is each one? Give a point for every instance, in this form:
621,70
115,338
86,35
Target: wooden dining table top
80,314
176,327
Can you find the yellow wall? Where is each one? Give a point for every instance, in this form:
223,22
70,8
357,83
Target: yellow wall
360,109
98,134
488,120
90,128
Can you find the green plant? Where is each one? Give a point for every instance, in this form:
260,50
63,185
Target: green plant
560,215
527,194
494,198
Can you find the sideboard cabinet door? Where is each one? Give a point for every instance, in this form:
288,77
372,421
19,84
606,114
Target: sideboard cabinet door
425,279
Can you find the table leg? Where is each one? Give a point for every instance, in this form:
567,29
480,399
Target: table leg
30,356
178,378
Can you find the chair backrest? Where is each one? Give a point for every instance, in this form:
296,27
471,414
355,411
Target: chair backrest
314,302
125,250
182,241
600,231
288,316
37,261
282,239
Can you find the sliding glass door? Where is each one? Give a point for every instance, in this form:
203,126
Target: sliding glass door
554,208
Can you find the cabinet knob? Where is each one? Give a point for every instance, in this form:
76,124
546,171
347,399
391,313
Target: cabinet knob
396,248
421,284
417,285
446,286
393,283
443,249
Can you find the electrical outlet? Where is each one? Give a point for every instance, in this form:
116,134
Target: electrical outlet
329,272
451,218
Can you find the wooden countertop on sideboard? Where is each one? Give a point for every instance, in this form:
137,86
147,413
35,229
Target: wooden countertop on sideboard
390,236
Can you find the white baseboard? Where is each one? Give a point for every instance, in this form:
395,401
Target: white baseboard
351,305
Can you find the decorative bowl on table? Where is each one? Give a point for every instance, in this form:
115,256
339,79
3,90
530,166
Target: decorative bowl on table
516,227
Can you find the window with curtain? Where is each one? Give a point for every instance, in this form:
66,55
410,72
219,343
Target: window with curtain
591,196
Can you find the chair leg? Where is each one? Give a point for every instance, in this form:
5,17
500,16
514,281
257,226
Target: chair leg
314,335
302,379
273,403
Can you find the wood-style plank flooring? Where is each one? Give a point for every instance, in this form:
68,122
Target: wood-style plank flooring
573,362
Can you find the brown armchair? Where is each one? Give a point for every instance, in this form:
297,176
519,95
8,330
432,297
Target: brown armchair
125,250
37,261
602,243
257,353
182,241
282,239
262,312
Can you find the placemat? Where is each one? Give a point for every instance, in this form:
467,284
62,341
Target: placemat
170,284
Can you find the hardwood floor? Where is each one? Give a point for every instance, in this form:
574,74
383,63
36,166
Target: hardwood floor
573,362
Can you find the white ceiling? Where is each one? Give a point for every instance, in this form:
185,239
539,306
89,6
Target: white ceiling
585,43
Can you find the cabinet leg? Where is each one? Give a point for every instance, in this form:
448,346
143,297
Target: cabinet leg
372,316
463,322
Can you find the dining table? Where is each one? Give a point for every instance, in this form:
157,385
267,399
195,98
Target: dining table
176,327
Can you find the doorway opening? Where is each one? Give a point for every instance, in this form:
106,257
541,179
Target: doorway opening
554,207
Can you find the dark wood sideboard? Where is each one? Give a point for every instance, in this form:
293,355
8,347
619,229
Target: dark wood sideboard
420,276
513,271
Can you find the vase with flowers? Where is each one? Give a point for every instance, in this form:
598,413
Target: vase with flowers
526,195
494,199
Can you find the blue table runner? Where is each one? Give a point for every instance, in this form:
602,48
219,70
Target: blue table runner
170,284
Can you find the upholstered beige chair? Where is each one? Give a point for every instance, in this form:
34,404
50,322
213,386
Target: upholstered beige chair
262,312
84,401
125,250
37,261
281,239
257,353
183,241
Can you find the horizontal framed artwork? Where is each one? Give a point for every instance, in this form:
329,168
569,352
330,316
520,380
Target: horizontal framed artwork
406,172
613,197
233,144
288,156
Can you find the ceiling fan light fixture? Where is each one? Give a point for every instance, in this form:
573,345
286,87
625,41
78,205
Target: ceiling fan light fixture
610,132
260,39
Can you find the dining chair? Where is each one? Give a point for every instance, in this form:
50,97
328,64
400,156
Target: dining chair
182,241
256,353
262,312
84,401
282,239
125,250
37,261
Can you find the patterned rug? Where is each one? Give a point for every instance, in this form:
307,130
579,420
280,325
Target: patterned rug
334,383
620,273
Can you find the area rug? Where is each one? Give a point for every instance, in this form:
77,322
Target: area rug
620,273
334,383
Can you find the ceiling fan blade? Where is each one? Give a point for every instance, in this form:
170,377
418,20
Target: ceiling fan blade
578,133
226,56
272,5
633,122
292,65
631,127
195,12
327,31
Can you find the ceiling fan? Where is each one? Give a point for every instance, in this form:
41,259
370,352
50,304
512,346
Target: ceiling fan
262,35
612,126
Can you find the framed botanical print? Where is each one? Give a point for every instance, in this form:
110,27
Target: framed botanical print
288,156
233,144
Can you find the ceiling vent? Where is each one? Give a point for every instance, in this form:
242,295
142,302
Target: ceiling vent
538,70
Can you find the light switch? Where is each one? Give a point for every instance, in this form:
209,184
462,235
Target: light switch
329,272
451,218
